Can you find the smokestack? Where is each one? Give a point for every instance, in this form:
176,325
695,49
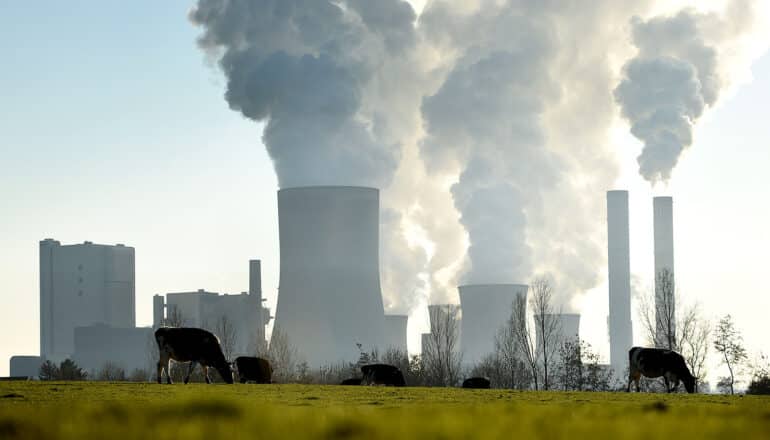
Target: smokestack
255,291
395,332
486,308
329,297
619,274
663,219
158,310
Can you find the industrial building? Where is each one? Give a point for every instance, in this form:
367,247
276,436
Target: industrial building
329,299
619,278
663,223
486,309
127,348
82,285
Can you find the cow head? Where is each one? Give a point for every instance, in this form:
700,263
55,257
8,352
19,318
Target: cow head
225,370
689,382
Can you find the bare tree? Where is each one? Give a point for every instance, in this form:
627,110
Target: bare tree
729,343
670,324
282,357
111,372
547,325
174,318
506,361
225,331
520,331
441,357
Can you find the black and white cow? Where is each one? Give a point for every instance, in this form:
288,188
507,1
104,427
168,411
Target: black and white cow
657,362
193,345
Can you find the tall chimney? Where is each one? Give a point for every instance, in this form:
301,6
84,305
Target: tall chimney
619,274
486,308
329,298
158,310
663,218
255,292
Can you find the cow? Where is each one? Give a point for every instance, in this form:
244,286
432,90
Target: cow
351,381
480,383
193,345
657,362
382,374
253,369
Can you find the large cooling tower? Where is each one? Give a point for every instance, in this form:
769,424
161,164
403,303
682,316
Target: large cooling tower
619,274
329,297
395,332
663,223
486,308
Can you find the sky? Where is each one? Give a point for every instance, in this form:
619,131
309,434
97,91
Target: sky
113,129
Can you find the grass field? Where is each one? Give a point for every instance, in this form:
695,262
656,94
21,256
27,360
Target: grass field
77,410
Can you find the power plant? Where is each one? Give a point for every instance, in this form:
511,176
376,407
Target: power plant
329,297
619,278
485,310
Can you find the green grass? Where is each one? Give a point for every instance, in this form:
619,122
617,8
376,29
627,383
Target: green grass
77,410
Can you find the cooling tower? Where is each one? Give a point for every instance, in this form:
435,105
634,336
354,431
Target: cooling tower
567,329
329,297
486,309
619,275
395,332
663,222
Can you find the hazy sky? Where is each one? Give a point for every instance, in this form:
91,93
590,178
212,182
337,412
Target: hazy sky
113,129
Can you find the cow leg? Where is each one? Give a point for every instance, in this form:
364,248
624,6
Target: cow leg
206,373
668,386
189,372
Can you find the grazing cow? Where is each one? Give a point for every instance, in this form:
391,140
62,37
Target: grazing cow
253,369
193,345
480,383
382,374
657,362
351,381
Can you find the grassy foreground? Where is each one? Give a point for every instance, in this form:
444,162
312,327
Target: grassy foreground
76,410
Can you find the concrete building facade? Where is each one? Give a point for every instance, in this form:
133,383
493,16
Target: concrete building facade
128,348
82,285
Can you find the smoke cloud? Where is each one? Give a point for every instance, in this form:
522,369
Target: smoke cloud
673,79
485,123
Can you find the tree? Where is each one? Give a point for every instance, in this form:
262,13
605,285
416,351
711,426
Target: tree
282,357
49,371
69,370
174,317
547,326
111,372
441,356
729,343
520,331
505,367
668,323
140,375
579,368
225,331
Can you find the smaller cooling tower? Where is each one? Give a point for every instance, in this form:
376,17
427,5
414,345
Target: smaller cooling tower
567,329
395,332
486,309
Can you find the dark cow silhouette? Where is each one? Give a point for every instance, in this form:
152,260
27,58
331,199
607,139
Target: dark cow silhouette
193,345
253,369
657,362
476,383
382,374
351,381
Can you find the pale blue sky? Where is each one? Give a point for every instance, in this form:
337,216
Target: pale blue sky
113,129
